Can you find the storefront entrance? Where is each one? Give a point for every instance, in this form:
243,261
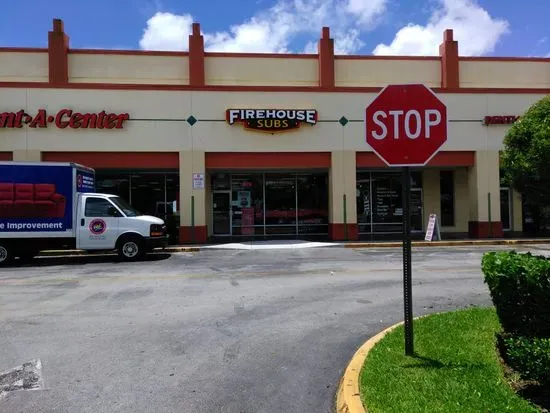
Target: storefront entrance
221,213
270,205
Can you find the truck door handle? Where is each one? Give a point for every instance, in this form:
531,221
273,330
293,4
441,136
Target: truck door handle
82,222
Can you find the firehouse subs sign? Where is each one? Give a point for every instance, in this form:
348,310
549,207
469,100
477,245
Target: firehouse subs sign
65,118
271,120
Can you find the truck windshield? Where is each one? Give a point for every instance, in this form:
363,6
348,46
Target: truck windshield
125,207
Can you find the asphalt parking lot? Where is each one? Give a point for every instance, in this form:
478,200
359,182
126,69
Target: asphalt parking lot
213,331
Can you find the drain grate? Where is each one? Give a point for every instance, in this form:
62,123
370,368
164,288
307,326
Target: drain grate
28,376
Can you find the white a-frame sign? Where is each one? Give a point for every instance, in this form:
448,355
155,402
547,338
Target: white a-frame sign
432,232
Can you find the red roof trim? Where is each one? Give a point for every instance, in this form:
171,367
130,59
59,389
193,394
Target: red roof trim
230,88
23,50
369,57
128,52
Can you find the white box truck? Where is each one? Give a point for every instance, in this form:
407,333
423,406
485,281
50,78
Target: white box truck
51,205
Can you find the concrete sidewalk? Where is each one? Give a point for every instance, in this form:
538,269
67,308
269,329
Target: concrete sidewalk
298,244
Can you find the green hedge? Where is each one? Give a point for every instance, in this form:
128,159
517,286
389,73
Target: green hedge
520,289
530,356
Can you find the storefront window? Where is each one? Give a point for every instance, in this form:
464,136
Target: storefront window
247,204
312,204
379,201
267,204
280,204
113,183
151,193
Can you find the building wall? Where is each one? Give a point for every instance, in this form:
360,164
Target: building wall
161,90
24,67
112,68
157,121
261,71
172,68
375,72
504,74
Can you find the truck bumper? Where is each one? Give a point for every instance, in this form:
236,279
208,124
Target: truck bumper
156,242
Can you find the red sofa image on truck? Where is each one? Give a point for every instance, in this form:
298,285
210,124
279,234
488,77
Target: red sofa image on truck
30,201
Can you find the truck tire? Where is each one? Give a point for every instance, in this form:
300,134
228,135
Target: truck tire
6,254
131,248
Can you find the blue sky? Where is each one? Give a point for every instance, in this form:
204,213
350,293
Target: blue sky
411,27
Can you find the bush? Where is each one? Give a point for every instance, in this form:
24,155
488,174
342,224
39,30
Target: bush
520,289
529,356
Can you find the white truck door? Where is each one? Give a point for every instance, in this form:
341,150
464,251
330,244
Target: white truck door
97,223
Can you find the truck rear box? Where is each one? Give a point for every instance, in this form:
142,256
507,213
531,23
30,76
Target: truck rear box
38,199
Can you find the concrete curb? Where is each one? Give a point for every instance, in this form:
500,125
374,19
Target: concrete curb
450,243
348,397
392,244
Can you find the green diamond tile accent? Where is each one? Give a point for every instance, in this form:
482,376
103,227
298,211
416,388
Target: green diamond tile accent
343,121
191,120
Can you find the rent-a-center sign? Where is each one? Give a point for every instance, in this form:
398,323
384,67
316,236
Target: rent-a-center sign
65,118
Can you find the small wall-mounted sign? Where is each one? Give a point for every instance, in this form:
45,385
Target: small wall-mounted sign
271,120
500,120
198,181
63,119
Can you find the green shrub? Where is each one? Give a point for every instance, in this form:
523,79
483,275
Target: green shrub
520,289
529,356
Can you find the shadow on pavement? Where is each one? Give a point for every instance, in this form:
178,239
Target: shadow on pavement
85,259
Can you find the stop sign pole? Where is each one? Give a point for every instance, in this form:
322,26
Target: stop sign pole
407,262
406,125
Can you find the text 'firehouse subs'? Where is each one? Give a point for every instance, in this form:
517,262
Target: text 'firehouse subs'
63,119
271,120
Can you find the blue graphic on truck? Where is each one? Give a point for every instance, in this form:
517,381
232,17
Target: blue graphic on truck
36,198
85,181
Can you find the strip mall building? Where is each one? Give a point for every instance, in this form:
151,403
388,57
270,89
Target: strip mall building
263,145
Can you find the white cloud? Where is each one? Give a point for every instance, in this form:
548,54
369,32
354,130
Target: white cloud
273,29
475,30
167,31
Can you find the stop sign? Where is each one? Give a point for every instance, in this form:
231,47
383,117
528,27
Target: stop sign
406,125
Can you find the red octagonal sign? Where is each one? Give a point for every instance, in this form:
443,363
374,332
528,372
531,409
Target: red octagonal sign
406,125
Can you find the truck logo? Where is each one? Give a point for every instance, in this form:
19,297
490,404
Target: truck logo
97,226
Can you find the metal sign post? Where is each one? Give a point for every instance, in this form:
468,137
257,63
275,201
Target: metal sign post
407,262
405,126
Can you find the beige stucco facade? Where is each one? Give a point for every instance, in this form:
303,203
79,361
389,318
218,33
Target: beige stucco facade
159,92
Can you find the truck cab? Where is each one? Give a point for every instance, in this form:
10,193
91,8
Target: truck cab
108,222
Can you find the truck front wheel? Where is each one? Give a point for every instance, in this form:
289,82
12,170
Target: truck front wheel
131,248
6,255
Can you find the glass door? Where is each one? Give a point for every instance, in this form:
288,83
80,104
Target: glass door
416,210
221,208
506,209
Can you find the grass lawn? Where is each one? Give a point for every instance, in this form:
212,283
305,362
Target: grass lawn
456,368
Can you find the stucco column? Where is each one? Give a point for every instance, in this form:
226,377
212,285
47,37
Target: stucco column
192,200
484,189
342,182
23,155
